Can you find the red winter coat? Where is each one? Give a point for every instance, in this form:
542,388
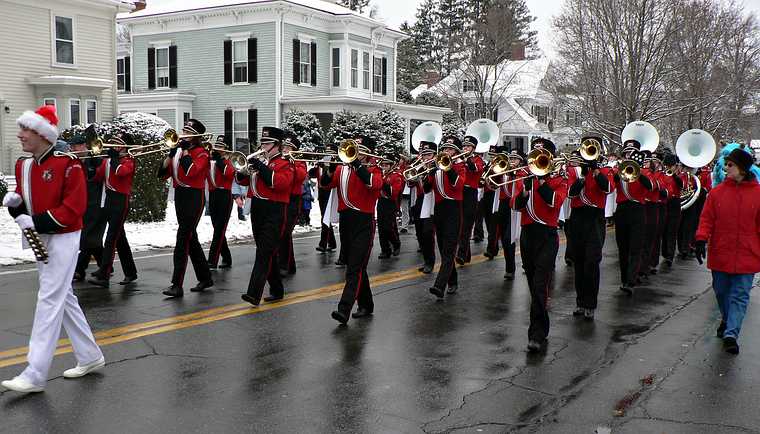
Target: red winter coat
730,222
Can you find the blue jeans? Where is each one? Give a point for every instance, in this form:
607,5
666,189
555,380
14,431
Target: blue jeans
732,293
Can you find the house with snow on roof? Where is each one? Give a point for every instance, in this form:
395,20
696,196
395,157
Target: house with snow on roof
58,53
240,65
512,94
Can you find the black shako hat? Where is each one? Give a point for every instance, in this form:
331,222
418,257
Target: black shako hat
741,158
470,141
194,126
541,142
291,140
366,142
122,139
427,147
272,134
451,142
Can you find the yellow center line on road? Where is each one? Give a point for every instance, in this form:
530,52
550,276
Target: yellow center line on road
17,356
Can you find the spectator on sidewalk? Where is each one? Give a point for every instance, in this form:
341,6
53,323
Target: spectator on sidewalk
304,219
238,195
730,223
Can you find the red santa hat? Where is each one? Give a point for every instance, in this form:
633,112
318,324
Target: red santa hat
44,122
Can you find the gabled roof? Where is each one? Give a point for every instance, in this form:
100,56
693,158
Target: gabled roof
518,78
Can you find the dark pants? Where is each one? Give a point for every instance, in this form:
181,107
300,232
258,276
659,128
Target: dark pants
357,233
220,207
567,228
387,227
115,212
491,220
670,228
469,210
268,228
629,231
447,218
91,240
327,235
662,215
504,228
689,222
188,205
652,221
539,245
477,230
287,258
425,231
588,233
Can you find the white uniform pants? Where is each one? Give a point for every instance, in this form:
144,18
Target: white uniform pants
56,305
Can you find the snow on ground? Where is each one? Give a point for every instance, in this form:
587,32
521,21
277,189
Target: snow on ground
141,236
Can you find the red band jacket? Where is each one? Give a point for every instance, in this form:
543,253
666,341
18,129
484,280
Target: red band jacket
299,176
221,173
274,185
635,191
117,177
653,195
353,192
543,203
190,170
705,177
592,191
393,185
54,190
474,169
443,185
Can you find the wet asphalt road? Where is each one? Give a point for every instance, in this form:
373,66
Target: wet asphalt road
418,365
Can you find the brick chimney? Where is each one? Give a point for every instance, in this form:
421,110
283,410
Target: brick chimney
518,51
431,78
140,5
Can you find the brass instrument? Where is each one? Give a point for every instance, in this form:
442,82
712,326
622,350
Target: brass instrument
540,163
242,163
629,170
309,157
95,148
499,166
444,162
348,151
419,169
170,142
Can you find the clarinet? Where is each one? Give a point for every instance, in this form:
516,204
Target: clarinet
31,235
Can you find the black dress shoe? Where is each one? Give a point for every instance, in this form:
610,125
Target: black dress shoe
321,249
730,345
384,255
250,299
340,317
202,286
225,265
509,276
438,292
489,255
396,251
668,262
579,311
99,281
127,280
626,288
427,269
536,346
721,329
452,289
361,313
340,263
173,291
212,266
273,298
78,277
459,260
652,270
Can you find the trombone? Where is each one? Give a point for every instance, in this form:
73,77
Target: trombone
348,151
540,163
170,142
95,148
309,157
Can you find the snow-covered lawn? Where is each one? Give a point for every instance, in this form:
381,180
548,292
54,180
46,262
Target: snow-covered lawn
142,236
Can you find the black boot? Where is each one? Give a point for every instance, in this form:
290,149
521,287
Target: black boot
361,313
173,291
128,279
201,286
340,317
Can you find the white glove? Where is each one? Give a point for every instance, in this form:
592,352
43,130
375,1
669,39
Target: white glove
12,199
25,221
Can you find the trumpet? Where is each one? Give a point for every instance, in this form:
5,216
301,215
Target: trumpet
96,148
170,142
242,163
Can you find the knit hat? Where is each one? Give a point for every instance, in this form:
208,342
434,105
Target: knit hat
44,122
741,158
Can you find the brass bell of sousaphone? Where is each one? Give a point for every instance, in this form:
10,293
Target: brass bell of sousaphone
695,148
486,131
429,131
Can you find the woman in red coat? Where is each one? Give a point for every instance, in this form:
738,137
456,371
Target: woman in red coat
730,222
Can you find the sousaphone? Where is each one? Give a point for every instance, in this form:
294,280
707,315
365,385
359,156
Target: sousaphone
486,131
429,131
695,148
644,133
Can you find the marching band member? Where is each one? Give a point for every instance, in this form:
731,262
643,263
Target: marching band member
188,166
117,172
474,167
358,185
327,241
540,200
651,217
220,176
388,208
422,211
51,197
447,215
588,193
270,185
91,242
510,228
629,221
673,184
287,259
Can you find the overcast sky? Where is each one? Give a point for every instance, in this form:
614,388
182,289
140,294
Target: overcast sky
397,11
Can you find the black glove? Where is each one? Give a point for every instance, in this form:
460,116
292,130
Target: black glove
528,184
186,162
593,164
173,151
363,174
356,164
452,174
700,250
219,164
584,169
184,144
114,161
112,153
257,164
216,156
471,166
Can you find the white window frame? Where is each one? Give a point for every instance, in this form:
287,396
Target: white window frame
366,73
167,67
79,106
466,88
304,80
355,68
377,74
245,131
87,111
123,73
54,41
333,67
236,61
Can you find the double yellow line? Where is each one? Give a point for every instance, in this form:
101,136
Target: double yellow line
17,356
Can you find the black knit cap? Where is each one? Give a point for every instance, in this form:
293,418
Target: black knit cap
194,126
272,134
544,143
291,140
366,142
741,158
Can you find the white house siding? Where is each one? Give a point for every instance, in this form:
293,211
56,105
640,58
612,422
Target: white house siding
291,89
200,71
25,53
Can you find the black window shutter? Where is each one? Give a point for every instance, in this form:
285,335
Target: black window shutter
495,114
228,129
127,74
385,76
173,66
313,63
296,61
253,72
252,127
227,62
151,68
